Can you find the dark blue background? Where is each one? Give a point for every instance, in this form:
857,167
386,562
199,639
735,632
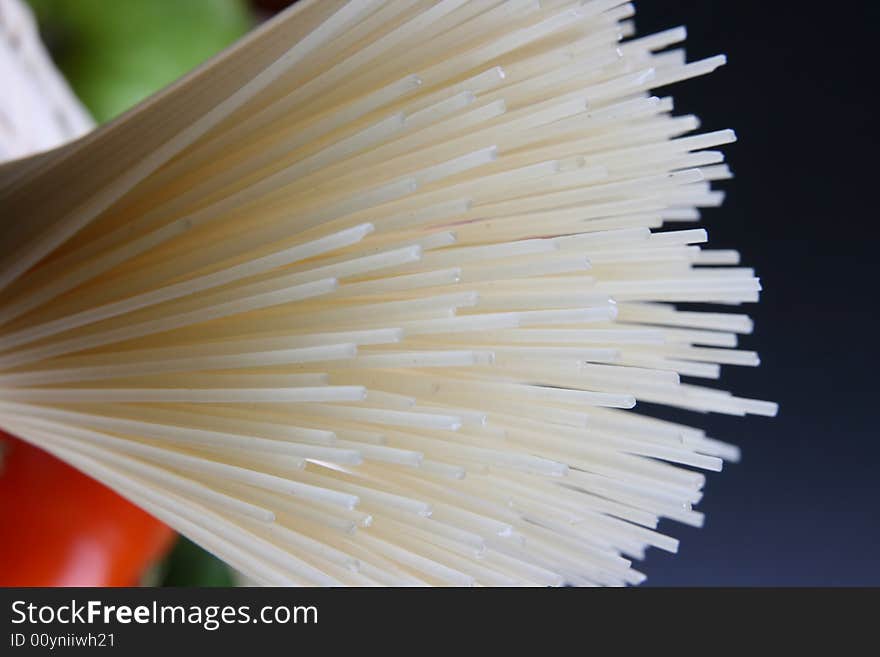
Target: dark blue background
803,508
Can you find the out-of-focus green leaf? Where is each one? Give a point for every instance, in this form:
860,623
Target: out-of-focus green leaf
115,53
190,565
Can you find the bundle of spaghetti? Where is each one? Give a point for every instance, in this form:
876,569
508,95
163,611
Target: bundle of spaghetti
367,299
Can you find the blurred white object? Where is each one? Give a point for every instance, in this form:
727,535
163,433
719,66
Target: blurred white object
38,111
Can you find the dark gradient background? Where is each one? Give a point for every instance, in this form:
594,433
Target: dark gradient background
803,507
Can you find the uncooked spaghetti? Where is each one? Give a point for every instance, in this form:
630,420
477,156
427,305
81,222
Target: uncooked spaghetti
368,299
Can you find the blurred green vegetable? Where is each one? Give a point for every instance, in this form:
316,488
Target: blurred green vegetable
190,565
115,53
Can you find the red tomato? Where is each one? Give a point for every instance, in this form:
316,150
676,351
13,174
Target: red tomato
62,528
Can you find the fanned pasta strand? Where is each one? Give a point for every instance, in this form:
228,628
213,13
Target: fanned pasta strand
373,297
